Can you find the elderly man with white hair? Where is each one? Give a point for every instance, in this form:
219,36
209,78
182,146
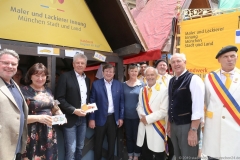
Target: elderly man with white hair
152,110
186,108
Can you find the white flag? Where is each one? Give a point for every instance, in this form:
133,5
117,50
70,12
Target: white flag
99,73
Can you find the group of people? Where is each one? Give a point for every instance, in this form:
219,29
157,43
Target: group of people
155,108
26,113
186,95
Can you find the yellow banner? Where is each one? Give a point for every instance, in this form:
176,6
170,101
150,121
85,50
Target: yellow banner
58,22
202,38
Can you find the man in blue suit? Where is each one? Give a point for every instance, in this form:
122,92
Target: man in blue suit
107,93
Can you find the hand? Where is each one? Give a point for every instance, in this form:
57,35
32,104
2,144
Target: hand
58,112
27,101
168,129
91,124
192,138
120,123
143,119
45,119
80,113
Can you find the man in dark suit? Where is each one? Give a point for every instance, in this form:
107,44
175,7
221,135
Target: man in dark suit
107,93
72,92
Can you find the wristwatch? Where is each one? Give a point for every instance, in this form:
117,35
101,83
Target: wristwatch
193,129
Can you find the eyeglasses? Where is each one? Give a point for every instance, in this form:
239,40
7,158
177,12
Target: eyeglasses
8,63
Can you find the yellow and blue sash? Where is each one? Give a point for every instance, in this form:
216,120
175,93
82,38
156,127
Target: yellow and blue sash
157,125
225,96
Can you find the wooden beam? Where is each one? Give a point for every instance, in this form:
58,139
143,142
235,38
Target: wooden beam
24,48
129,50
119,70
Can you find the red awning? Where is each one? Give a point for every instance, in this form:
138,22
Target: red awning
143,56
91,68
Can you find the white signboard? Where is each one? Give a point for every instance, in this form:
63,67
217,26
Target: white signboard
71,53
99,57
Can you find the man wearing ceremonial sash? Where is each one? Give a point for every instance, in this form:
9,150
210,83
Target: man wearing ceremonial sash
186,104
222,124
152,110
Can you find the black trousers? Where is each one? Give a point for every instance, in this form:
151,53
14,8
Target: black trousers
170,149
147,154
210,158
18,156
109,129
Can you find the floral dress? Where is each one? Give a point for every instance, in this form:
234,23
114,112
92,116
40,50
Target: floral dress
42,140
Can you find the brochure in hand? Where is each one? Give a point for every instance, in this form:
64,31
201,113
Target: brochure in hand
59,119
89,108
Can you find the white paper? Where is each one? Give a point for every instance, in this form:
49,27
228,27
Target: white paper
59,119
94,108
99,57
71,53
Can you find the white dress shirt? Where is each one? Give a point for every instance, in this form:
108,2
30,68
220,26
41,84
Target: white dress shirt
197,91
223,77
109,95
167,78
83,87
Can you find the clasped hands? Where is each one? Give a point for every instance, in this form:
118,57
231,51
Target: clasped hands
143,119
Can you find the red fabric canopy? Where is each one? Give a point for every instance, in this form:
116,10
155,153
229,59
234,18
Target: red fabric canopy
143,56
91,68
154,20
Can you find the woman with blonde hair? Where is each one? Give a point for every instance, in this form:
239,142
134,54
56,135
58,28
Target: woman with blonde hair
131,92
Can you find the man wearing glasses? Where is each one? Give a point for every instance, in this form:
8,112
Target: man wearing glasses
13,109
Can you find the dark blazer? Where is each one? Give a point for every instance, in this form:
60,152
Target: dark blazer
68,94
99,96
